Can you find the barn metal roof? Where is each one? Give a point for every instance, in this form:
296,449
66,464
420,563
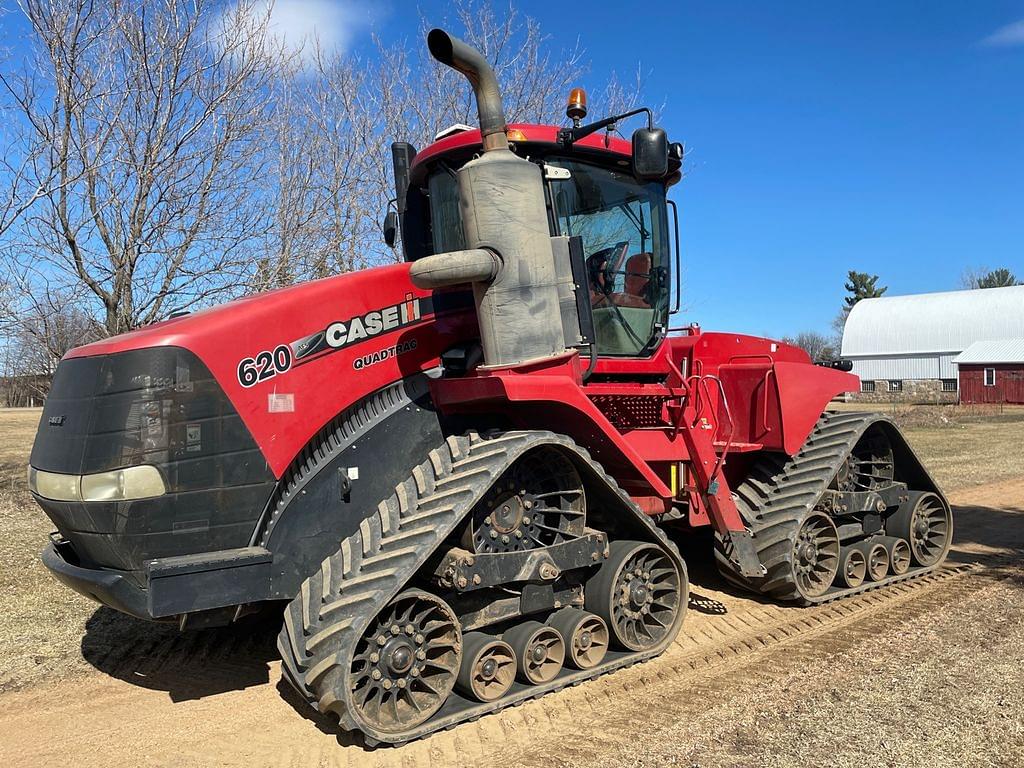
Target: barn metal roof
1003,351
933,322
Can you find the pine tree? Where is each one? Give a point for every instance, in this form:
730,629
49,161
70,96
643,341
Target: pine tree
997,278
861,285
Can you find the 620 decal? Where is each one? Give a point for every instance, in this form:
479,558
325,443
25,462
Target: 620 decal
266,365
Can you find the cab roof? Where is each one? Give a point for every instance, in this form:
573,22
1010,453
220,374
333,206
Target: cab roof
528,133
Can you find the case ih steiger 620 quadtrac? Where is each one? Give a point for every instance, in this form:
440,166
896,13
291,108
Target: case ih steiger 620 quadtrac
454,473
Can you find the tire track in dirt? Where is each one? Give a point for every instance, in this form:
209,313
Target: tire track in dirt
192,700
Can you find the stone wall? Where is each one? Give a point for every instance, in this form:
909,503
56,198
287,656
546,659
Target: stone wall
914,391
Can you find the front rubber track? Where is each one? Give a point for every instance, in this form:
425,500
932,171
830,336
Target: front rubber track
324,622
779,492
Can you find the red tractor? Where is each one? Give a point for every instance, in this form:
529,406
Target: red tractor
455,474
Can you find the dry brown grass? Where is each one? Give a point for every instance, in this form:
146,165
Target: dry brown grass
42,623
961,445
17,430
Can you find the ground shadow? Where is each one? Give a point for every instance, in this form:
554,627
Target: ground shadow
988,536
187,665
324,723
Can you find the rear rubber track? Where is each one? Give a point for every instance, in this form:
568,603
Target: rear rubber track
781,491
323,624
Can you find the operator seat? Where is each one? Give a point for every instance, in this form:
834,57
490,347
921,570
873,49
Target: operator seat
636,283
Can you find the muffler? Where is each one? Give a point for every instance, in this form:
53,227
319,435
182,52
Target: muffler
509,260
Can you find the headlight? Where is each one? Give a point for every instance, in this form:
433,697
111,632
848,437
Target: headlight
140,482
50,485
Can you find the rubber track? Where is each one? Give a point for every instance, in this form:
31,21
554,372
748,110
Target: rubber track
323,624
777,495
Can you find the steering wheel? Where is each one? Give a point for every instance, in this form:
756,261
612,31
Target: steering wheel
603,264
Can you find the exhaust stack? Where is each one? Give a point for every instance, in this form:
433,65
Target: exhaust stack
509,260
471,63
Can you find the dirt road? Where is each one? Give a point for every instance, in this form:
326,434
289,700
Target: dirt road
924,673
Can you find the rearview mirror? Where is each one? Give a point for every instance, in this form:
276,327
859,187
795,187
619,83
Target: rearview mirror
650,153
391,229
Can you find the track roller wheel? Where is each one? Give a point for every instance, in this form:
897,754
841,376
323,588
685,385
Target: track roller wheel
637,592
877,557
585,635
488,667
926,522
853,567
816,555
539,650
899,554
406,663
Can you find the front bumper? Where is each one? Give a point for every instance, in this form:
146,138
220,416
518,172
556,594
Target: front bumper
173,585
107,587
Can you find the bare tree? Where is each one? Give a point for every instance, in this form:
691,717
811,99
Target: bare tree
48,323
175,153
419,97
817,345
325,181
334,126
149,115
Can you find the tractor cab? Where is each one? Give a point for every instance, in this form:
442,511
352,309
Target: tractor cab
593,191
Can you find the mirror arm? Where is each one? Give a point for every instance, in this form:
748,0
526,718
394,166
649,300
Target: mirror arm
567,136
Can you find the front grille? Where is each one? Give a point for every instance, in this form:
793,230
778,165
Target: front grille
158,406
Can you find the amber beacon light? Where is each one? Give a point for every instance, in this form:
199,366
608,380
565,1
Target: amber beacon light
576,107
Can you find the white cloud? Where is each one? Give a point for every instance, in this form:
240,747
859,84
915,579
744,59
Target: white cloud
1005,37
301,25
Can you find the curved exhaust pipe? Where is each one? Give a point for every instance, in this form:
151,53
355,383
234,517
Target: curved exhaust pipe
470,62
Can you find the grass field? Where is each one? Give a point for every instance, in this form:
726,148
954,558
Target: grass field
43,626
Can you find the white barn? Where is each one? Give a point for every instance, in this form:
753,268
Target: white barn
906,344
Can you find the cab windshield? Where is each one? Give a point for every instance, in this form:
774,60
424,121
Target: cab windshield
623,226
624,229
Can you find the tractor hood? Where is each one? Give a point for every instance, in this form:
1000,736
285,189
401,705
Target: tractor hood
289,360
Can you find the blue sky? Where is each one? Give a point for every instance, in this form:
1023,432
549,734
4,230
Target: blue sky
886,137
880,136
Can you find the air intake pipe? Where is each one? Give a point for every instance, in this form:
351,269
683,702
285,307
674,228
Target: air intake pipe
508,257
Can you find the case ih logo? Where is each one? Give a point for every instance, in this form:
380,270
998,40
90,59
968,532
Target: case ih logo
344,333
338,335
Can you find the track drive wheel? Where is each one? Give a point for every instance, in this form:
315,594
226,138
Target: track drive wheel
406,663
539,650
639,592
926,522
585,635
537,502
816,555
488,667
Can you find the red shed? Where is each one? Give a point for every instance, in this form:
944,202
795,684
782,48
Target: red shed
992,372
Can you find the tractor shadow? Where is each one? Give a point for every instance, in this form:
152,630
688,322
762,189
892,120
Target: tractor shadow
324,723
196,664
186,665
